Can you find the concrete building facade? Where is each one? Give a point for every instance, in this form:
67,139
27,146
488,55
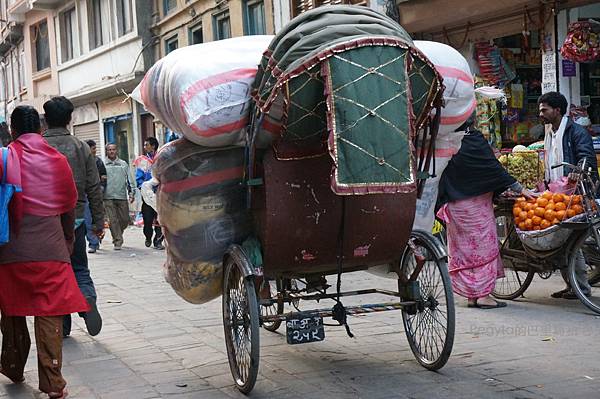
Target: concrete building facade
93,52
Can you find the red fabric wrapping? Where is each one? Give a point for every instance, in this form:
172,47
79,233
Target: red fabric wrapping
39,289
44,175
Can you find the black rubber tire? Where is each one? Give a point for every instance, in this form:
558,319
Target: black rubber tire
436,323
592,302
241,325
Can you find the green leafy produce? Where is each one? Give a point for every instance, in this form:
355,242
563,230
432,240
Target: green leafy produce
525,166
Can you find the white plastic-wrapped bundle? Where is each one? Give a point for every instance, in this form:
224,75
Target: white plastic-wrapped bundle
459,104
201,208
203,91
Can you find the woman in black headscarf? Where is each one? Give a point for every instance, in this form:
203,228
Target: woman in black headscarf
467,186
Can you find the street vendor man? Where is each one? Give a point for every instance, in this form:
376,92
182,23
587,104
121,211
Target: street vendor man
565,141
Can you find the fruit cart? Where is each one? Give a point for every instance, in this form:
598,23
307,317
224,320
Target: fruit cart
565,237
342,101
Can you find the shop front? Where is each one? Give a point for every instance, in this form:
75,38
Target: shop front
513,45
579,62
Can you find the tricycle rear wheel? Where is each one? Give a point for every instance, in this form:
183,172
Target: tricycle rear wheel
430,324
240,322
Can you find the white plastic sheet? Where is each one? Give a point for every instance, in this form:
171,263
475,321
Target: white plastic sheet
203,91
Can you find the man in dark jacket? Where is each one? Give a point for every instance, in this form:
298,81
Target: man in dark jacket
58,112
565,141
576,141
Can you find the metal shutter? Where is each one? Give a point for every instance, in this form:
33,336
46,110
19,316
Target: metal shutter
88,131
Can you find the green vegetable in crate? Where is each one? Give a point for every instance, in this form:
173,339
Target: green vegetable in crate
525,166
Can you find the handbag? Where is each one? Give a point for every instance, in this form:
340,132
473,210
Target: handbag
6,192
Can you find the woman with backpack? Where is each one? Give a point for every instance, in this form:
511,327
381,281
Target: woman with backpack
36,278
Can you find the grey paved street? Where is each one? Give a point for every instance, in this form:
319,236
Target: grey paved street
155,345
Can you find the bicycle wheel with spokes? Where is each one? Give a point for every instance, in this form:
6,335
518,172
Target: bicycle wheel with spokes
273,309
240,322
515,282
580,268
430,324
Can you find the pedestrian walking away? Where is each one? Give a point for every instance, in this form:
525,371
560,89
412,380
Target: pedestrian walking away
58,111
118,191
92,238
143,173
37,280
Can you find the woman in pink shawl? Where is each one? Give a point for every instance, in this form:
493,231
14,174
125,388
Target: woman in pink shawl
36,278
467,187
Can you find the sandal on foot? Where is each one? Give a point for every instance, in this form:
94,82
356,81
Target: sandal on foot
497,305
14,380
58,395
559,294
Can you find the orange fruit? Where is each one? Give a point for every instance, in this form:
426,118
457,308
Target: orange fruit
530,214
560,206
529,224
522,226
555,221
547,195
542,202
557,197
550,206
539,212
560,215
516,211
549,215
530,207
545,224
577,199
537,227
536,220
523,216
577,208
570,213
568,198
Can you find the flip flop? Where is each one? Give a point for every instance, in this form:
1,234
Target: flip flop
483,306
559,294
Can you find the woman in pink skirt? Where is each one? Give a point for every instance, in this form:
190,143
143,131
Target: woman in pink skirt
467,187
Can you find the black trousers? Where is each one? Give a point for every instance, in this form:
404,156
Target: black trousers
149,215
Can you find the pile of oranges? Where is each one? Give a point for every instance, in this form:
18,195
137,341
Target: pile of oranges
546,210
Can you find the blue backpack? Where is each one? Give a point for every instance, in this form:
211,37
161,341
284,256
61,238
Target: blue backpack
6,193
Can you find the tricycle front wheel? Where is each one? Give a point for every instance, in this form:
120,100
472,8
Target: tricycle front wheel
429,325
240,322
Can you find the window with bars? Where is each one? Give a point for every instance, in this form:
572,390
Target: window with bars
168,6
40,46
222,25
195,36
171,44
124,17
95,23
300,6
68,34
254,17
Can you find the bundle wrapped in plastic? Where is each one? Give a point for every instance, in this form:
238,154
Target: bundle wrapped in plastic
196,282
459,104
203,91
201,207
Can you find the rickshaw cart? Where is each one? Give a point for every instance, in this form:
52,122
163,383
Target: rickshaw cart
343,100
577,238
